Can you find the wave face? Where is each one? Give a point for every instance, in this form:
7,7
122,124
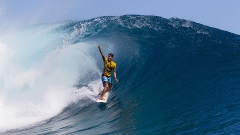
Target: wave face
176,77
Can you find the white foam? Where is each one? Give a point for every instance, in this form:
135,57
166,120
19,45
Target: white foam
38,90
26,112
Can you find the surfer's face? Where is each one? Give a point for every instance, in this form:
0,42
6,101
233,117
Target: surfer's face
110,58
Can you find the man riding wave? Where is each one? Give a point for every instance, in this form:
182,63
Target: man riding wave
109,66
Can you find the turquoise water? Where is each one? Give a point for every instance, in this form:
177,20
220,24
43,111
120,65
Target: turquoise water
176,77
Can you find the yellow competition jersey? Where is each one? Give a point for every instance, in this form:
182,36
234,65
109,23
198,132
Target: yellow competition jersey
108,67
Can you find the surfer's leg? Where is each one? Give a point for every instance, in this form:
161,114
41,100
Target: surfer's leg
109,86
105,89
105,82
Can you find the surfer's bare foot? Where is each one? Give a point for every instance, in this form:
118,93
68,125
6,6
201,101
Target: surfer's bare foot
102,98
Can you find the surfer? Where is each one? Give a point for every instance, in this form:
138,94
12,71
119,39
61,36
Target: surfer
109,65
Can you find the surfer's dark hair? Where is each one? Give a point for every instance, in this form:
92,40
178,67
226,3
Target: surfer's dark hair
111,54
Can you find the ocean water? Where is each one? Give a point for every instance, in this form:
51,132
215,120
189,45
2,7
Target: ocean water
175,77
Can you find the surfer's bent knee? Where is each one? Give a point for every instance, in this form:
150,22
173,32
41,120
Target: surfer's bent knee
105,84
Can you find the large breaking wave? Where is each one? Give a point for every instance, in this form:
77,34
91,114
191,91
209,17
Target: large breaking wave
176,77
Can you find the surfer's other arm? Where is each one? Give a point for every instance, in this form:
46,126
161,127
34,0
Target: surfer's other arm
115,75
100,50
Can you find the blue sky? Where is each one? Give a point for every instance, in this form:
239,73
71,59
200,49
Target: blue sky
220,14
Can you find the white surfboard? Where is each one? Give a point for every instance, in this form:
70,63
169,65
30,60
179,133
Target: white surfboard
105,97
101,101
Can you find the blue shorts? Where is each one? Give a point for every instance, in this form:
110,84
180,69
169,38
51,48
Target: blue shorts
106,80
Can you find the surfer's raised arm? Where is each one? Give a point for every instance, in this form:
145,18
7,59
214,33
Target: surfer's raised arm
100,50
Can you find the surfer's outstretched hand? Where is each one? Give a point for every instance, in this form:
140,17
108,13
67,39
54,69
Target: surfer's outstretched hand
116,80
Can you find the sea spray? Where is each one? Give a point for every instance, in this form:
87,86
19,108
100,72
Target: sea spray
39,79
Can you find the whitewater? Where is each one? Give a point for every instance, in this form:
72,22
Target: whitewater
38,75
175,77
